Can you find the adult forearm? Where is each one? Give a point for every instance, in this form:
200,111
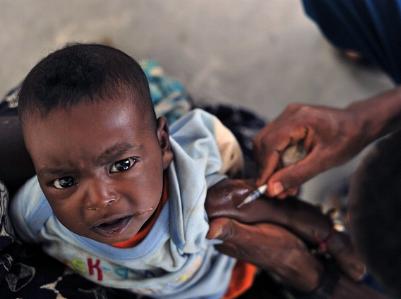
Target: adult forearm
379,115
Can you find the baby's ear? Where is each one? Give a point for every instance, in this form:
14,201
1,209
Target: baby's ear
164,142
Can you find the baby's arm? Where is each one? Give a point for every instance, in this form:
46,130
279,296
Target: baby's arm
303,219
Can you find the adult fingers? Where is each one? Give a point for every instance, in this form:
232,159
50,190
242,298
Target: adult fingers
295,175
281,149
270,164
270,247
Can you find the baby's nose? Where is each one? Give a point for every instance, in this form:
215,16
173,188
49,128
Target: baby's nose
107,202
100,195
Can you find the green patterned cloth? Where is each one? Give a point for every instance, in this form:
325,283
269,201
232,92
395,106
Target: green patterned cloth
169,96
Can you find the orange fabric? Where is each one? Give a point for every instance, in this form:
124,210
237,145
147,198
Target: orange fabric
241,279
149,224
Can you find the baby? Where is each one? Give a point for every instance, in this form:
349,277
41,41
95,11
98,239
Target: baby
117,197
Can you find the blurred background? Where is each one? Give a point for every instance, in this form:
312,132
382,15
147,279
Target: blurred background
257,54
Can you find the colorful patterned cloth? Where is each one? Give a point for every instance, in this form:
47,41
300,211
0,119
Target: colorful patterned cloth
170,98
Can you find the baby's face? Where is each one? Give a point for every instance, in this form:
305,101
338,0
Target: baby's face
100,166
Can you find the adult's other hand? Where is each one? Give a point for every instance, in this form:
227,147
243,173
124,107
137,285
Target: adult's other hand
302,220
270,247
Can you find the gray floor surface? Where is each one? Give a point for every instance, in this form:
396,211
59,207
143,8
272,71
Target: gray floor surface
254,53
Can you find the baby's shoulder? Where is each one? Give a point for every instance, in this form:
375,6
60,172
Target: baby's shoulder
29,210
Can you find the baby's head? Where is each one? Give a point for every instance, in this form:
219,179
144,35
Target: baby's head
375,211
98,149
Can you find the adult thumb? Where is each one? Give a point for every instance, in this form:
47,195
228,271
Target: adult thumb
293,176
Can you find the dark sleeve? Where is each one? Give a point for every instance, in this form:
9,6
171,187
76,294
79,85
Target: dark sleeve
370,27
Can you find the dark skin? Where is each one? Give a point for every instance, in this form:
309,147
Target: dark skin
302,219
277,250
279,245
102,175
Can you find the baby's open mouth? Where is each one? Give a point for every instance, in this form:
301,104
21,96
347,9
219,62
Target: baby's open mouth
112,226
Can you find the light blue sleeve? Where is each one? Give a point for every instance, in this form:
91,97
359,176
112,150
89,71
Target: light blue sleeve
196,136
196,167
29,210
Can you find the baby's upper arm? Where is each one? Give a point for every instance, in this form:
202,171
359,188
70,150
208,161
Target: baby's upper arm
205,139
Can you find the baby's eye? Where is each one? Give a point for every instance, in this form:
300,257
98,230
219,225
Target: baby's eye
64,182
122,165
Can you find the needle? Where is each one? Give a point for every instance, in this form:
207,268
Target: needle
254,195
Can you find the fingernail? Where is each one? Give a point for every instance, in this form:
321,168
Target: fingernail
216,233
261,180
277,188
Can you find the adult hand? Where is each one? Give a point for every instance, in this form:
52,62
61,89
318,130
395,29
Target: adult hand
270,247
330,137
303,220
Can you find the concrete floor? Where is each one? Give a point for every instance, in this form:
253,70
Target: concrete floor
255,53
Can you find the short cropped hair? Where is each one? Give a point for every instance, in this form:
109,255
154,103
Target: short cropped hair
82,72
375,211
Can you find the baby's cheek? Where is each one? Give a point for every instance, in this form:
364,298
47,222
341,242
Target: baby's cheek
75,224
71,218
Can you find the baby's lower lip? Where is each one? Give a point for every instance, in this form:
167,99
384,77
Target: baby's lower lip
114,228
